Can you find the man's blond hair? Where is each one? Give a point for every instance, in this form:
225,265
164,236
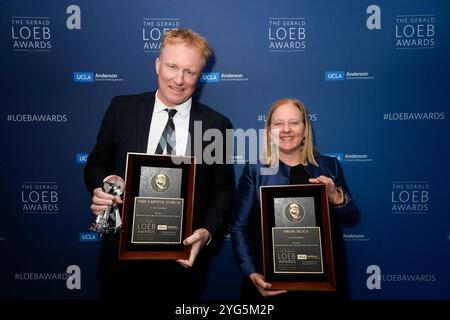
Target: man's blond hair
188,37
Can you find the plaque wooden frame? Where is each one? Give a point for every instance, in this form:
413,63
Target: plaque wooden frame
325,281
133,251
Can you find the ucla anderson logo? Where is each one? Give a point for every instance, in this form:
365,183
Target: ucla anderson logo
210,77
89,237
83,77
81,158
334,75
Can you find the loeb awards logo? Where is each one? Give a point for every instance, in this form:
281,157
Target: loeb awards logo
31,33
410,197
415,31
287,34
39,197
153,30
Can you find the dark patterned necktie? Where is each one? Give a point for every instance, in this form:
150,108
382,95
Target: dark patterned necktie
167,140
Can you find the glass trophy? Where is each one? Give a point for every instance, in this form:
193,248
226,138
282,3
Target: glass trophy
110,221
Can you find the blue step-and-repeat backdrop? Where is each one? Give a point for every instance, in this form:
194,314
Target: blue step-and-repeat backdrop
374,76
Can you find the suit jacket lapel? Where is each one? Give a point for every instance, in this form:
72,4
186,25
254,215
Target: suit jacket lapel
145,112
196,115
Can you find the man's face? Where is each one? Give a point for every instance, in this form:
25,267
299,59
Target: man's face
178,68
161,180
294,210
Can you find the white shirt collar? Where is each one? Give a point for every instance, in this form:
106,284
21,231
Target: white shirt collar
182,109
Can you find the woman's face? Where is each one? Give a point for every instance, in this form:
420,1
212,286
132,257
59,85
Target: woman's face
287,129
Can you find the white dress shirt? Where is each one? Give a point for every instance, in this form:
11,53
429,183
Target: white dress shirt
159,120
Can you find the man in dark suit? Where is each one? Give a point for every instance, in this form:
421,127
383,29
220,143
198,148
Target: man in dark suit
136,123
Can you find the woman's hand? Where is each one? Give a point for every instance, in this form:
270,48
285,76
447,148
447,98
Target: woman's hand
263,286
335,194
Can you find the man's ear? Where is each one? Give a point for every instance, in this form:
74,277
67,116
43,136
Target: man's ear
157,65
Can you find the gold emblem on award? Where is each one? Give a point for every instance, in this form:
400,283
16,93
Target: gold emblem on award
295,212
160,182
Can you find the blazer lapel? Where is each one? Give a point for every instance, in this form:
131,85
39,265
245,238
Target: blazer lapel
195,131
145,112
280,176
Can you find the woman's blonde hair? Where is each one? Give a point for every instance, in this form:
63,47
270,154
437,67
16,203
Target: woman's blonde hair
308,150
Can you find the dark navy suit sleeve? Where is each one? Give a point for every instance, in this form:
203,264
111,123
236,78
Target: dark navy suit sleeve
218,192
124,129
100,162
240,228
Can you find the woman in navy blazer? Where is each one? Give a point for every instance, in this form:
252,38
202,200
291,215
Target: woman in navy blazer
290,143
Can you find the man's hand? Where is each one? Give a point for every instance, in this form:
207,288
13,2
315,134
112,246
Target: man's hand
196,241
101,200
